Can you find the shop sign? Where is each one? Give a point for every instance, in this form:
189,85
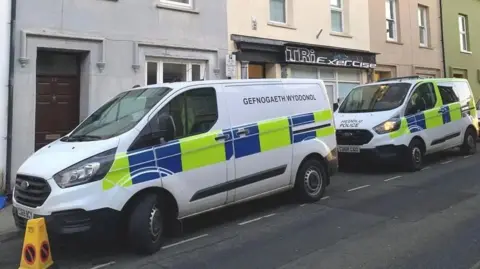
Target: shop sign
231,66
330,58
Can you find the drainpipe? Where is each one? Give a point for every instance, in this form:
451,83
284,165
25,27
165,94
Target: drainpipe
443,39
4,55
13,17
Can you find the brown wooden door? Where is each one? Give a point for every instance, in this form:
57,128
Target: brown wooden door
57,108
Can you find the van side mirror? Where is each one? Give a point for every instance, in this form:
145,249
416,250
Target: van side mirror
335,107
163,128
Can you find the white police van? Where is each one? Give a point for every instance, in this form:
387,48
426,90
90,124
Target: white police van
171,151
402,119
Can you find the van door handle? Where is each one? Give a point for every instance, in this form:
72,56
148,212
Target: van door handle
242,131
221,137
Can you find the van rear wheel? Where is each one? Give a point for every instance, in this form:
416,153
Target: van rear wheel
311,181
469,145
145,225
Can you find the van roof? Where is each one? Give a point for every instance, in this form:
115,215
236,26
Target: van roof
413,79
179,85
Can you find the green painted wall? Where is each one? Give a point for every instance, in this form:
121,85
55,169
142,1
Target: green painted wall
457,62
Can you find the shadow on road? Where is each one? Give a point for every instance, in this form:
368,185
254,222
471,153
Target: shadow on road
377,168
87,252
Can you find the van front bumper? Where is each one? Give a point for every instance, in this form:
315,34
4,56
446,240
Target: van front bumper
76,221
384,153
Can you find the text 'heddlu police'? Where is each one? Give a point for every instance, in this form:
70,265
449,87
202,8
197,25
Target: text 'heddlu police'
278,99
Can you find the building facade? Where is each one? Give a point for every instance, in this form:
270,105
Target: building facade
72,56
407,36
301,39
461,32
5,19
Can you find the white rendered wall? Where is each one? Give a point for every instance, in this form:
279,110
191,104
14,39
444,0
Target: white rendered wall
5,6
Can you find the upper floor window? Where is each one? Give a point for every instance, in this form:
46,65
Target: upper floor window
423,25
391,16
336,13
180,3
463,28
278,11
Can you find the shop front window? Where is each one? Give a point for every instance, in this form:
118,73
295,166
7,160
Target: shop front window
173,71
339,82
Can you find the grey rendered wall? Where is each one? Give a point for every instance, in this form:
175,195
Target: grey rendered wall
115,37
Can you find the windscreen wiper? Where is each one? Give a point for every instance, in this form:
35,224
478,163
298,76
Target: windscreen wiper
83,138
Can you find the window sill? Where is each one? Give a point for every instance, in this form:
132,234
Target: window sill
394,42
466,51
339,34
425,47
175,8
281,25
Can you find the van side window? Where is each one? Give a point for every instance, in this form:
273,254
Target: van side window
448,95
462,90
423,98
190,113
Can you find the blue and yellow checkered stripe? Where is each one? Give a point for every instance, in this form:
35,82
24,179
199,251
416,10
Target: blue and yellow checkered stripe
429,119
202,150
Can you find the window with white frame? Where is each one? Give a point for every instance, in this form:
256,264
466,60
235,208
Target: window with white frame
339,82
278,11
423,25
180,3
336,13
391,16
463,28
165,71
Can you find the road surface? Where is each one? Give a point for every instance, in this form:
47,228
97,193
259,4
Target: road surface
367,219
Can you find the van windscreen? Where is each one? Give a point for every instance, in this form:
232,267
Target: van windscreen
376,97
118,115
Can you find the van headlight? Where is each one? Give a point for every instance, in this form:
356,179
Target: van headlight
388,126
89,170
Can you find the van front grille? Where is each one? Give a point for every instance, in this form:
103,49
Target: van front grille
31,191
353,137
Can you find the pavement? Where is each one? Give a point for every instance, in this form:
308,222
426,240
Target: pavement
7,225
374,217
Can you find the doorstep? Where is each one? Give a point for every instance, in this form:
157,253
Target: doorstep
8,230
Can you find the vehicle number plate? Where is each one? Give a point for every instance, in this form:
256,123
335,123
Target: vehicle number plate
24,213
349,149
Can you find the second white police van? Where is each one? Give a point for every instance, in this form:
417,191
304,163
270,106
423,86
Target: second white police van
171,151
403,119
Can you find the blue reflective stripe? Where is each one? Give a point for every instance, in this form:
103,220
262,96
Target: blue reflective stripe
142,166
246,145
228,143
302,119
446,114
169,157
416,122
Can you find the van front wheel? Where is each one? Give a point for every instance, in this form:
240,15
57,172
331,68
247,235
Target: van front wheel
311,181
414,156
145,225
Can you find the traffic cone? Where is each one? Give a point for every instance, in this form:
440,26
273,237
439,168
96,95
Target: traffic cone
36,251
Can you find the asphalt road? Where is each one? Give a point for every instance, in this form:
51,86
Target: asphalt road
372,218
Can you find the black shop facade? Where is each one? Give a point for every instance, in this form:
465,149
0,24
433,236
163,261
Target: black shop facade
340,69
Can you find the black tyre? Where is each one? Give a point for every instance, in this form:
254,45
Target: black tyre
414,156
469,145
311,181
145,225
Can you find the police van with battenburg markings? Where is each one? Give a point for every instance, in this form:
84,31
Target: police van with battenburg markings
403,119
170,151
